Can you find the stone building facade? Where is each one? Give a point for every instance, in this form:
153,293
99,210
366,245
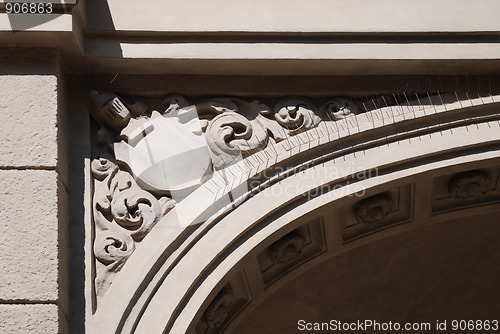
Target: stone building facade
242,167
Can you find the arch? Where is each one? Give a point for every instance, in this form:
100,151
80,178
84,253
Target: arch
176,274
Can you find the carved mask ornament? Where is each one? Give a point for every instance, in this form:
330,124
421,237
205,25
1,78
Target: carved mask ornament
374,209
218,311
469,185
287,249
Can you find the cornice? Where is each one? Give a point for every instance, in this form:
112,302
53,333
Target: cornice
103,37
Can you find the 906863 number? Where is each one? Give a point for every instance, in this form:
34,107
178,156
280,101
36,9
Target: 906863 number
28,8
474,325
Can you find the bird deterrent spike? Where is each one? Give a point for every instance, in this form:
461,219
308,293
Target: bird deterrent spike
397,102
287,139
327,130
331,121
457,85
372,119
390,108
441,99
264,149
376,107
357,122
409,106
470,100
226,164
430,101
272,145
317,132
478,95
420,103
250,155
375,112
458,100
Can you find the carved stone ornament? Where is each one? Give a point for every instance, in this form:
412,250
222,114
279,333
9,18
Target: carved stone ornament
236,129
156,158
147,160
287,249
123,214
296,115
469,185
339,108
374,209
219,309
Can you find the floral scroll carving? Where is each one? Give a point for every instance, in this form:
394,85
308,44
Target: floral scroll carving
123,214
296,115
236,129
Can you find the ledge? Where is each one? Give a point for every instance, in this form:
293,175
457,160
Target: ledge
297,16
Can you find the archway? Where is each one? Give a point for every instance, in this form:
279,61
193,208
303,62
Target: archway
305,207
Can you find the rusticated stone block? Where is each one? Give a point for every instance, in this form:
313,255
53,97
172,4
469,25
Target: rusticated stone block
28,235
29,319
28,115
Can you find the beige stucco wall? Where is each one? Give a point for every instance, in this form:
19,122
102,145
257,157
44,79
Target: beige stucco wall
32,193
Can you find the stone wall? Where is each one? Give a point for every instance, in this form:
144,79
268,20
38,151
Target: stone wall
32,197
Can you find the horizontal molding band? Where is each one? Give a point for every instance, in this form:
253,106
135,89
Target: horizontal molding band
284,51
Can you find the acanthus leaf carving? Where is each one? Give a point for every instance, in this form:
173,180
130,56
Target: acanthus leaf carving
102,168
123,214
296,115
236,129
113,247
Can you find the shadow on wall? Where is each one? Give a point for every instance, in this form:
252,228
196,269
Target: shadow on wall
25,16
98,11
79,153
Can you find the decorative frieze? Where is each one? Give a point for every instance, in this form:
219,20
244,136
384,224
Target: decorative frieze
148,158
